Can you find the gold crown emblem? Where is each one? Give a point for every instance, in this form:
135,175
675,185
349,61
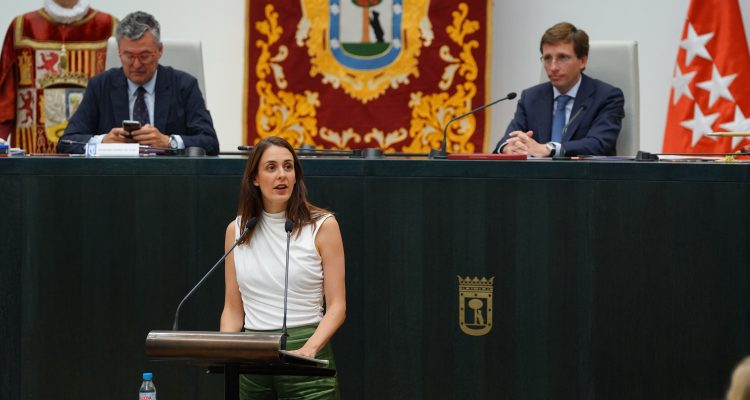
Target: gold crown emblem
67,79
475,284
475,305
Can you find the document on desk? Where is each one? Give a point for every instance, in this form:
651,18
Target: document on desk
671,157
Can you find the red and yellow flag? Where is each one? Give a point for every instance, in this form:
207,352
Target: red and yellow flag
348,74
711,83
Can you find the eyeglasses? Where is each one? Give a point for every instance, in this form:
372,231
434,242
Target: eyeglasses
560,60
144,58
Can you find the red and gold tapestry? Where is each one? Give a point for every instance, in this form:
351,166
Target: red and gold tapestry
44,69
349,74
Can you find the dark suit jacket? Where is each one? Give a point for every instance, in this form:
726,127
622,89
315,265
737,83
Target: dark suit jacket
593,131
179,109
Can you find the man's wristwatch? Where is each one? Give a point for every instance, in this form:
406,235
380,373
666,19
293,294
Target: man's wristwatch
172,143
552,149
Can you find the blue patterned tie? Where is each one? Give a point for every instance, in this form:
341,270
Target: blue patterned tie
558,120
140,111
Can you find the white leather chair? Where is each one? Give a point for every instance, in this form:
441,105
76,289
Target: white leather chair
185,55
616,62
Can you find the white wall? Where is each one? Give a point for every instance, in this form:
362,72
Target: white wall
518,25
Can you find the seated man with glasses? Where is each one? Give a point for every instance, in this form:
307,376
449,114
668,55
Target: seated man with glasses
570,115
167,102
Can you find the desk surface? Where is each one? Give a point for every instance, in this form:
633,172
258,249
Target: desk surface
320,166
611,279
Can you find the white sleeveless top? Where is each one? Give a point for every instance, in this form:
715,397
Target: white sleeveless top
260,266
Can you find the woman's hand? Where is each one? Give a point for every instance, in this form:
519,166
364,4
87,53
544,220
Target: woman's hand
307,351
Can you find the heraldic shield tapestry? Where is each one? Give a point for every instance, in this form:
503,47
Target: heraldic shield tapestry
349,74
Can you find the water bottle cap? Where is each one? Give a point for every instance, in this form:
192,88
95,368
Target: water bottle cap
147,376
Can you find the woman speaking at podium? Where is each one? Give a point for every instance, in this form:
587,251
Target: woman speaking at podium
273,191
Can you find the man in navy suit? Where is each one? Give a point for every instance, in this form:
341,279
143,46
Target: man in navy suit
570,115
167,102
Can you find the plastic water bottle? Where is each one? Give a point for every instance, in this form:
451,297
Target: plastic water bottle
148,390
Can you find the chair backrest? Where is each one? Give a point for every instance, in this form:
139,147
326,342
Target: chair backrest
616,62
185,55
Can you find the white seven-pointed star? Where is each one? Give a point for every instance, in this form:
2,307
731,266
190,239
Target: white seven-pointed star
718,86
696,45
681,84
740,124
700,124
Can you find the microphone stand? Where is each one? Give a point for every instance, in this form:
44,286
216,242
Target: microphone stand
442,152
366,153
570,121
248,226
288,228
580,111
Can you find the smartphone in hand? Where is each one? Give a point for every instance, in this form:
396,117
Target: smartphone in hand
129,126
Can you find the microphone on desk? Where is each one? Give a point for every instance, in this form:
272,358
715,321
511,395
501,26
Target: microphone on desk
68,141
288,226
248,226
442,152
74,143
307,150
573,118
565,130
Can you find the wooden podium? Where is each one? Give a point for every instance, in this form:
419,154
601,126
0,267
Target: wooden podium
232,353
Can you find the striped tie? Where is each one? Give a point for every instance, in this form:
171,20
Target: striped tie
140,111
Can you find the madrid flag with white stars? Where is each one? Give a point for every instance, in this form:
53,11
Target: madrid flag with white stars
711,82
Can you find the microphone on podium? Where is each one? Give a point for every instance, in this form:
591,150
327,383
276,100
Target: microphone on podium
248,226
443,153
288,226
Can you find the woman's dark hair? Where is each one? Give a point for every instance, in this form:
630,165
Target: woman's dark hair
299,210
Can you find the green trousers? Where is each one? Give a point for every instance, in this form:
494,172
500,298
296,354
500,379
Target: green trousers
257,387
